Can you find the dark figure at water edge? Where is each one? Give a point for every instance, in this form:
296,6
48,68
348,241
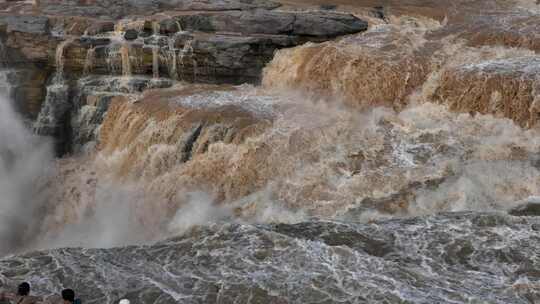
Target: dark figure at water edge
22,296
68,297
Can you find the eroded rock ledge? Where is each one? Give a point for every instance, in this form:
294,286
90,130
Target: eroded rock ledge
414,51
59,43
221,44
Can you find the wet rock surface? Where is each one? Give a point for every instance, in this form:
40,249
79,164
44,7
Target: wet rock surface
92,100
315,24
122,8
109,80
26,87
197,41
527,208
32,38
26,24
231,42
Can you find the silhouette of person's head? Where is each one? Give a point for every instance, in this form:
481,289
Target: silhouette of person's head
23,289
68,295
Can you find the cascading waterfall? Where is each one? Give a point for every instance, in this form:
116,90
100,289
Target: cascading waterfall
171,58
59,60
118,59
187,54
155,61
383,166
89,61
111,60
126,62
5,86
291,188
155,28
156,50
114,59
118,52
52,116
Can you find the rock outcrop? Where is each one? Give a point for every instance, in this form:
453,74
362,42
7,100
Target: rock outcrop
409,54
480,58
219,46
26,38
58,42
92,98
117,9
319,25
530,207
26,87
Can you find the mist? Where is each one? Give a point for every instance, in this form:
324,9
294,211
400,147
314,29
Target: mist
483,162
24,164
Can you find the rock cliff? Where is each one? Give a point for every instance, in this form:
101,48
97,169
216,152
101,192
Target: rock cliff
59,50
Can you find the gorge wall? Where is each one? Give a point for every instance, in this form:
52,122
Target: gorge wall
315,135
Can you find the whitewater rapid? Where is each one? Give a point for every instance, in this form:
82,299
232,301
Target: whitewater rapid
462,257
380,167
155,173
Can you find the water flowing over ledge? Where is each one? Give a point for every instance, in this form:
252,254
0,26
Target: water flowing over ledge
260,152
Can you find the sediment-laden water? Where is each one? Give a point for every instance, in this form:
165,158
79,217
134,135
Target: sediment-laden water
459,257
391,155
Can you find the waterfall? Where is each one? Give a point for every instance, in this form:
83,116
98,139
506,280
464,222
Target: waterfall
171,59
187,52
59,60
155,61
53,111
112,59
118,53
179,26
53,115
5,87
155,28
118,59
126,64
89,61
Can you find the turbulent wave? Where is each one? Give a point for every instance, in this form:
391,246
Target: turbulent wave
164,166
376,168
166,160
380,124
407,61
448,258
